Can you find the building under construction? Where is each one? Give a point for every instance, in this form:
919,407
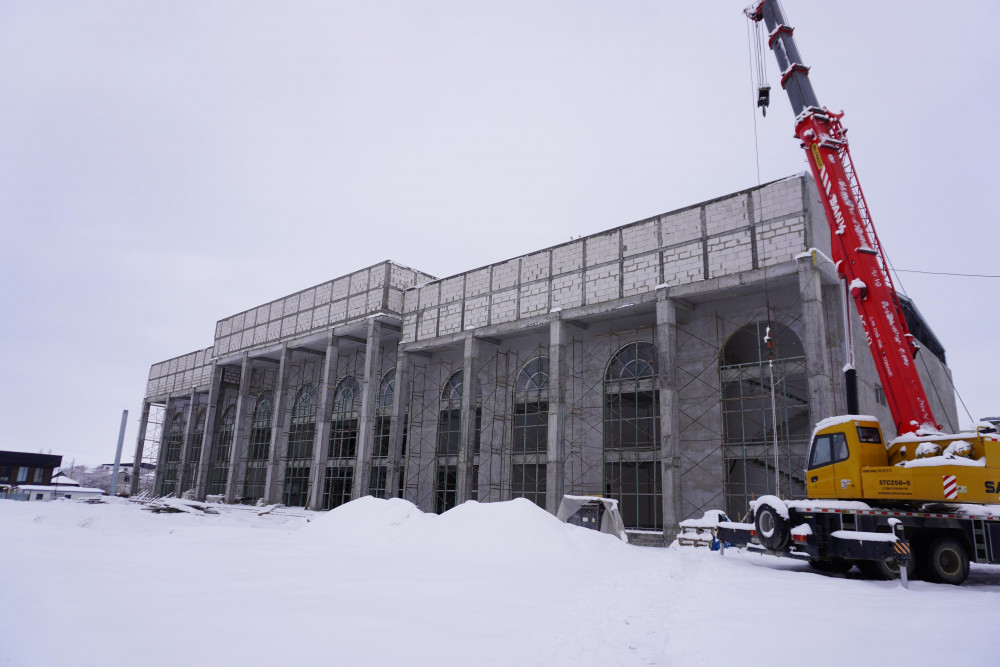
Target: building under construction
634,364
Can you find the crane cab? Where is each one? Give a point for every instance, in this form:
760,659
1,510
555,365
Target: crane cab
840,448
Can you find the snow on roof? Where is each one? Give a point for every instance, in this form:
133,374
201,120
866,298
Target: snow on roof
61,488
62,479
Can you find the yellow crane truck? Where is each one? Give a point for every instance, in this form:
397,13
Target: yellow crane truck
925,500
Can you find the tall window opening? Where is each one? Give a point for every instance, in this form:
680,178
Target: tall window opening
632,436
529,447
172,455
449,443
748,371
194,459
301,437
259,449
378,472
222,449
343,445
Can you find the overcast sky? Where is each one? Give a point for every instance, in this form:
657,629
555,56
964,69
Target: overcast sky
166,164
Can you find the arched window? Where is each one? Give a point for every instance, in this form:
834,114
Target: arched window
222,449
259,449
530,431
343,445
449,442
298,456
383,425
632,435
172,454
755,360
194,458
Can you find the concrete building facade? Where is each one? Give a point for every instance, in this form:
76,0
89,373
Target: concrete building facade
628,364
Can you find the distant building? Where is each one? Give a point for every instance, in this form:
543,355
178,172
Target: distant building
27,468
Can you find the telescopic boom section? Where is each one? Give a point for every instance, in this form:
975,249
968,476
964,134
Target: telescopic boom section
856,249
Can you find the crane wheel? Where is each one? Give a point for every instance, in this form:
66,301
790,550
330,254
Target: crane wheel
947,561
773,530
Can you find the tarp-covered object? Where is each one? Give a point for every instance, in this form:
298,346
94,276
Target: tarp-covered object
578,509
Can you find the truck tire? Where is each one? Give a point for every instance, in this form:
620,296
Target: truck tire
773,530
947,562
885,569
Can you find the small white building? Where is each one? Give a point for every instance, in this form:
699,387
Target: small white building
62,487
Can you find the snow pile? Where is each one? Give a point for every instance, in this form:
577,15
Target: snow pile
379,582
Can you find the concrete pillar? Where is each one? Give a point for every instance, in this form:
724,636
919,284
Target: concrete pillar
161,452
321,449
400,401
555,465
366,425
279,438
670,441
470,374
815,340
211,412
140,442
238,462
190,413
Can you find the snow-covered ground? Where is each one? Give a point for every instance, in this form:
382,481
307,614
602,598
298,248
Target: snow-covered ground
378,582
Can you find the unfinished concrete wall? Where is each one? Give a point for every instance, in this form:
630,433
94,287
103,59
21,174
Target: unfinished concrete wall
376,289
180,374
748,230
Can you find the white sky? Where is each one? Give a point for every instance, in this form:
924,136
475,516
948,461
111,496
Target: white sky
167,164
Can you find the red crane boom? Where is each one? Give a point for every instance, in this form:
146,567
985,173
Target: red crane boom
856,248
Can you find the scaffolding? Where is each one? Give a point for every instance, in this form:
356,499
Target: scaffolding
146,466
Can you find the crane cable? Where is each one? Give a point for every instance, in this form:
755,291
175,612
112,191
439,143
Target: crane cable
756,57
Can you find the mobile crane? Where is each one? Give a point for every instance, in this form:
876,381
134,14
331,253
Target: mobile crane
925,496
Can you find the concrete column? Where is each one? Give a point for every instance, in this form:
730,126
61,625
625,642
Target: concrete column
140,442
190,413
211,412
555,465
670,441
400,401
238,462
369,392
279,439
321,449
815,341
470,373
161,452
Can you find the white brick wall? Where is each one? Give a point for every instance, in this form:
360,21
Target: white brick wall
338,311
641,274
477,311
639,238
683,264
477,282
681,227
780,241
602,284
602,248
340,288
566,291
534,298
451,289
429,295
307,299
505,275
409,327
303,321
535,267
321,315
359,282
410,300
566,258
504,308
323,292
427,324
778,199
729,254
357,305
451,319
726,216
